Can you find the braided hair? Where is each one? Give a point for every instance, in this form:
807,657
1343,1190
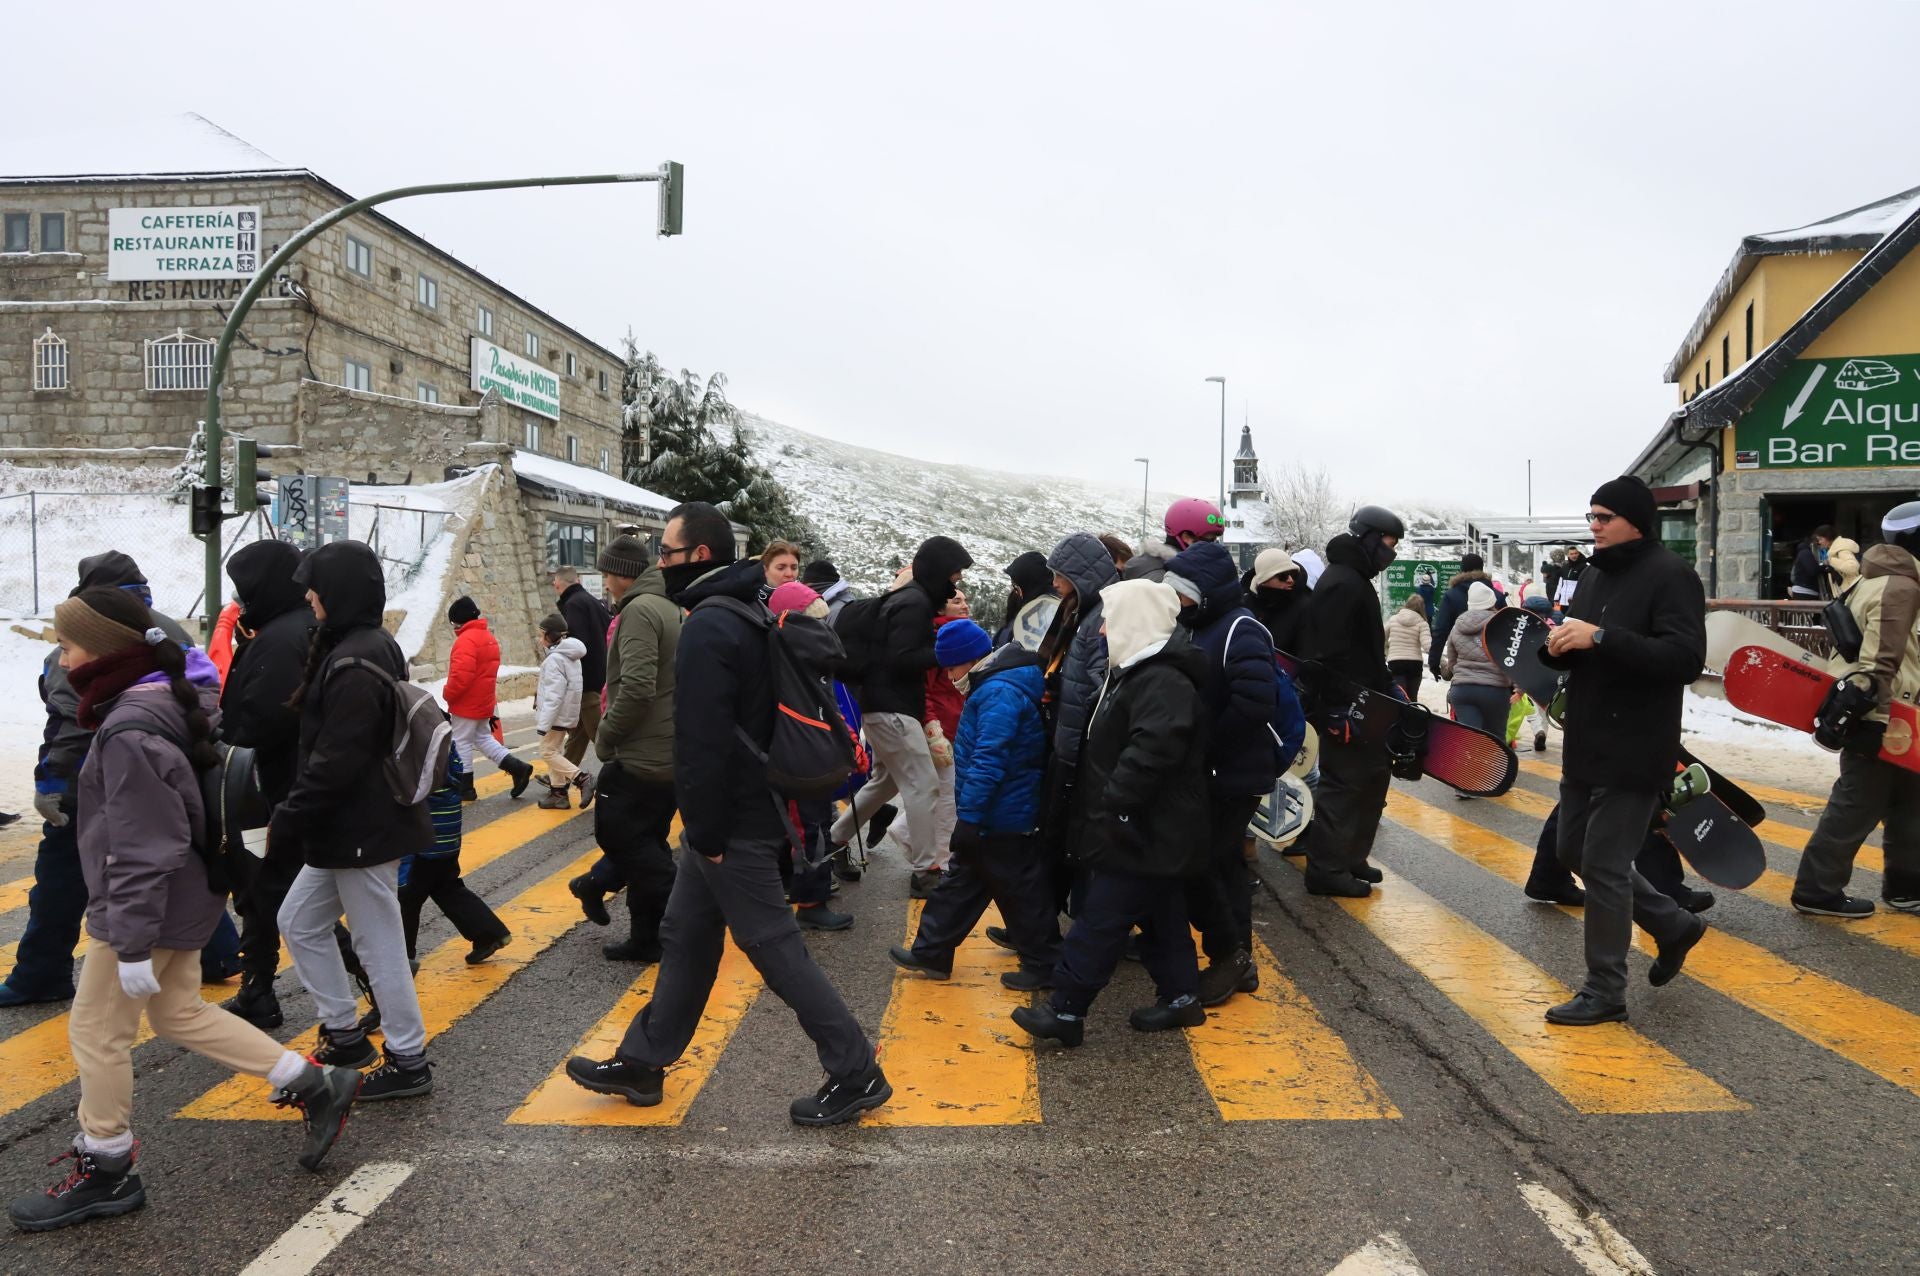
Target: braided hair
169,658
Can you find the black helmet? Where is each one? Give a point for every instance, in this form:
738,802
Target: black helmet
1376,518
1901,526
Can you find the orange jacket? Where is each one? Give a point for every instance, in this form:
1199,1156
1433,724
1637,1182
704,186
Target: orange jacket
472,670
220,646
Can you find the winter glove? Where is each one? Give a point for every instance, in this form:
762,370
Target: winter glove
137,979
48,804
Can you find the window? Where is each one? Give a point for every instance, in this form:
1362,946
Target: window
605,459
49,362
427,292
1749,330
53,232
15,240
359,258
572,544
486,323
533,345
1726,353
179,362
533,434
356,375
573,366
1709,374
603,387
428,394
573,449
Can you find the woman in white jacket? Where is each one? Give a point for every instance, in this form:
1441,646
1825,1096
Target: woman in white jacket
556,711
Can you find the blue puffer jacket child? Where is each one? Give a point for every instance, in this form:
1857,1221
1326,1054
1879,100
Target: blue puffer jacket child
1256,726
1000,755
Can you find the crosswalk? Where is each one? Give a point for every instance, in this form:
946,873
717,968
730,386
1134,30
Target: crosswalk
956,1060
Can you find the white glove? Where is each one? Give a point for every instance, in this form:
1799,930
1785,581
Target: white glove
48,804
137,979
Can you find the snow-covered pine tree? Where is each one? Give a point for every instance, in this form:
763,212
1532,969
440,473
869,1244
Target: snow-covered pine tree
192,470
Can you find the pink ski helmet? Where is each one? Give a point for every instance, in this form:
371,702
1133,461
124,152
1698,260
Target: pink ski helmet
1197,517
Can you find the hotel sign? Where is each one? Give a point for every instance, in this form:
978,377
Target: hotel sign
520,382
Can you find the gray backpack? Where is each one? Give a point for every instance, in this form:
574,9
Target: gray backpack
416,754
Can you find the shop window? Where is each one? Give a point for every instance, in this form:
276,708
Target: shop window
428,393
356,375
49,362
486,323
427,291
359,258
533,345
572,544
53,232
1749,330
179,362
533,434
18,226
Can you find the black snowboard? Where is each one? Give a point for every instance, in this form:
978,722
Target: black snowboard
1738,800
1514,640
1719,845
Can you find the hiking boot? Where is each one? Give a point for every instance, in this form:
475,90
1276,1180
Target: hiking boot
642,1087
1343,885
1563,893
921,885
1047,1024
323,1097
1162,1016
1028,978
256,1003
395,1080
1584,1011
1222,979
1001,937
584,783
1843,906
349,1049
1539,742
592,902
487,948
522,772
1368,873
904,958
882,821
100,1186
632,950
850,863
555,798
820,917
1697,901
1673,956
843,1098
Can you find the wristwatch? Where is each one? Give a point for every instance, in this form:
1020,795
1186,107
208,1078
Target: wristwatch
1599,636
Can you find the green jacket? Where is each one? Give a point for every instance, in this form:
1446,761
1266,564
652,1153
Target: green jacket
1886,603
636,730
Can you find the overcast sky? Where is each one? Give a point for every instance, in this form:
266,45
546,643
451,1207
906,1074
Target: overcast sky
1422,242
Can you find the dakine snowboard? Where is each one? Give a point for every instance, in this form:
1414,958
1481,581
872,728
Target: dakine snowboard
1738,800
1719,845
1772,686
1728,631
1514,639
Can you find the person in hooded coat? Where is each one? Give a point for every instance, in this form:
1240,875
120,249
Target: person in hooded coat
1073,656
824,579
1031,602
350,833
1142,793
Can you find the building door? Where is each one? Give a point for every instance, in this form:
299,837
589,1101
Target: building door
1789,521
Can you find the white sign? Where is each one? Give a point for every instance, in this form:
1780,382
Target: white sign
521,382
183,243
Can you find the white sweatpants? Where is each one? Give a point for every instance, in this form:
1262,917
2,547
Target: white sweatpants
476,734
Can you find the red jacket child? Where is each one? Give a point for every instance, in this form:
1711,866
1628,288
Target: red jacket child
473,667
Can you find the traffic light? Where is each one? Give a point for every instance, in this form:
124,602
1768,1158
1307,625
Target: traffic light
248,477
205,511
673,193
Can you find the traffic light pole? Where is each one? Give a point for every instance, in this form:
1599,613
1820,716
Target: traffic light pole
672,186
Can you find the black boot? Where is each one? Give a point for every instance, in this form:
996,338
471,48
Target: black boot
323,1097
100,1186
1042,1021
520,770
1161,1016
256,1002
1666,966
592,901
642,1087
632,950
1222,979
843,1098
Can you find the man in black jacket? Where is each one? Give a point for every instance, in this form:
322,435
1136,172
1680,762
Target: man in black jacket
270,650
587,619
1634,637
735,833
1341,633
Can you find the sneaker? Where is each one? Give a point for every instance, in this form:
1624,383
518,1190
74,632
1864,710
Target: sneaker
1001,937
1902,903
487,948
556,798
1162,1016
843,1098
882,821
1539,742
904,958
1570,895
394,1080
1028,979
1343,885
921,885
1043,1022
1584,1011
1666,966
522,772
369,1022
323,1098
632,950
100,1186
592,901
1222,979
820,917
642,1087
349,1049
256,1003
584,783
1368,873
1842,906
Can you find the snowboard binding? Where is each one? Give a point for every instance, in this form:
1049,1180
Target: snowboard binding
1689,782
1841,720
1407,742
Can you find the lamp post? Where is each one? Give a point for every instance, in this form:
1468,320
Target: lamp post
672,187
1222,475
1146,470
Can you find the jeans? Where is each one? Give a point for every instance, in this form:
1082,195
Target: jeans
1115,904
631,820
1868,792
370,898
1483,707
1008,869
1601,831
1220,901
43,962
437,878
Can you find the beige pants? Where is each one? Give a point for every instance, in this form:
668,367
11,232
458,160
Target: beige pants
104,1021
560,770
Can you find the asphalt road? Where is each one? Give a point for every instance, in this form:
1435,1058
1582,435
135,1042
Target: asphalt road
1755,1118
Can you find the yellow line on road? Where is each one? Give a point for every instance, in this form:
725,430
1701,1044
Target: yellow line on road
1879,1036
950,1049
14,894
1269,1056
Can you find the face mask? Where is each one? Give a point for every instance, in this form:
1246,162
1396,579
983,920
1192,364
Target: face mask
1383,554
682,574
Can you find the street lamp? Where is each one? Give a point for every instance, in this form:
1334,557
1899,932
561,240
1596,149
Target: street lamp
1222,476
671,177
1144,473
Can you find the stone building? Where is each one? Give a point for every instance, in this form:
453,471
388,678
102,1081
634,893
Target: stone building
1249,517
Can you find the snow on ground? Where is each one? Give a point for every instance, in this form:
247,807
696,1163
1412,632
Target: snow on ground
22,717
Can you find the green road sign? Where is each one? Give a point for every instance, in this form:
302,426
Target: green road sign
1405,574
1834,414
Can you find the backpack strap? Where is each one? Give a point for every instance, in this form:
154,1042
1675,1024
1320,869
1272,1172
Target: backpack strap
761,619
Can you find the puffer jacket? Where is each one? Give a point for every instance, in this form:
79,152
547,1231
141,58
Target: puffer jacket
1885,602
1079,665
1465,659
636,730
1000,753
276,633
1452,605
556,701
1406,636
473,672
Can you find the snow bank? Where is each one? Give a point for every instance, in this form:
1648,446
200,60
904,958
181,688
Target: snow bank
22,717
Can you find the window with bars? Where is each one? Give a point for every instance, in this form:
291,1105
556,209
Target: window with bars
49,362
179,362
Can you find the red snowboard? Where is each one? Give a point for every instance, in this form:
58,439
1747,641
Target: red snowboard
1781,689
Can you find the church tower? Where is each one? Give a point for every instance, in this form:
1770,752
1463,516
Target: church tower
1246,471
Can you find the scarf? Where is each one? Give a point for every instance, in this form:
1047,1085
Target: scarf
100,681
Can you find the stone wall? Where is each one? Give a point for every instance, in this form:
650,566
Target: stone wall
491,565
375,438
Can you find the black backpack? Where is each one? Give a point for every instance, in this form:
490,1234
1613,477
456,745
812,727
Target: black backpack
859,629
811,752
229,795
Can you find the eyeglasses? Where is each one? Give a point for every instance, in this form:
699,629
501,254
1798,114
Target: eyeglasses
1600,518
668,551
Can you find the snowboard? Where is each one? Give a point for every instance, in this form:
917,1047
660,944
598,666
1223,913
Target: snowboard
1728,631
1719,845
1738,800
1514,640
1284,814
1780,689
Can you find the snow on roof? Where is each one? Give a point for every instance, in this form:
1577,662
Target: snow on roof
579,480
1249,524
158,145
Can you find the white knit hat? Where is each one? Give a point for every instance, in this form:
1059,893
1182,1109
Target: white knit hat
1480,596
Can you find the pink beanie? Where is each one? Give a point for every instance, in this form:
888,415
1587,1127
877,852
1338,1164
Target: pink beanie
792,596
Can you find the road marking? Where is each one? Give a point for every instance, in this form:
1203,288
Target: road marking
449,988
1269,1056
1385,1255
951,1050
14,894
1594,1243
1879,1036
1761,792
558,1101
306,1244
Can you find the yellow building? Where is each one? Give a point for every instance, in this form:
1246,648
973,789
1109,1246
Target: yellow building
1799,389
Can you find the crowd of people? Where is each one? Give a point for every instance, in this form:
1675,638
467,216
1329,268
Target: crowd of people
1098,759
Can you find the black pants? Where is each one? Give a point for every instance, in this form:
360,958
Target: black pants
1007,869
811,882
1601,832
1868,792
438,879
631,820
741,894
1407,674
1220,900
257,898
1115,904
1346,807
1657,861
43,962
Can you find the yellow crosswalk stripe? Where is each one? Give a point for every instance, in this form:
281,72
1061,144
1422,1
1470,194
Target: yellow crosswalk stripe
14,894
951,1052
1609,1068
1876,1035
1269,1056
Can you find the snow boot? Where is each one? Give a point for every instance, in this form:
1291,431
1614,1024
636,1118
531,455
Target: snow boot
100,1186
323,1097
522,772
256,1003
555,799
584,783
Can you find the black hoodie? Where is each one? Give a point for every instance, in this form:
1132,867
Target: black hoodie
340,811
1341,626
897,682
270,652
722,682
